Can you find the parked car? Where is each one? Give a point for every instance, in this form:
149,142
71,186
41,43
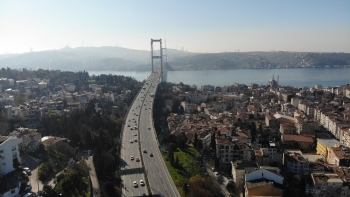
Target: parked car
27,170
24,174
134,184
28,188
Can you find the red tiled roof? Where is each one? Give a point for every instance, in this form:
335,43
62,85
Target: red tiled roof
297,138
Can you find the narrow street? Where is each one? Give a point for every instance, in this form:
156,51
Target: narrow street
33,164
94,181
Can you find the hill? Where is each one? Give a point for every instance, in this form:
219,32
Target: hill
122,59
227,61
85,58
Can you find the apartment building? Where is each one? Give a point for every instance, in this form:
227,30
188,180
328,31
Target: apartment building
296,163
326,184
224,151
324,144
8,152
339,156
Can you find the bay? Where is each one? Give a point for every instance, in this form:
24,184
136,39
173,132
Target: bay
297,77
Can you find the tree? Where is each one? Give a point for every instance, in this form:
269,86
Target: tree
232,189
181,110
195,140
182,139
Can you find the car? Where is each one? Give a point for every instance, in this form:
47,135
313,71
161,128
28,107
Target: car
131,158
135,134
29,194
135,140
128,125
149,128
131,128
217,174
131,141
137,159
24,174
28,188
213,169
144,151
151,154
27,170
142,183
134,184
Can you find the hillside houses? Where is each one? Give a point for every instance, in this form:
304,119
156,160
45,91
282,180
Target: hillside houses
292,126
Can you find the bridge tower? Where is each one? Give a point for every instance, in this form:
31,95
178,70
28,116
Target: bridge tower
160,56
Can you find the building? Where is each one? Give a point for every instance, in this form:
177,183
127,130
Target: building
339,156
325,185
205,138
295,162
324,144
242,151
8,153
30,139
265,181
238,171
53,142
224,151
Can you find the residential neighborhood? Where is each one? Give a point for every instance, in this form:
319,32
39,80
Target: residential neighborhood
262,134
26,105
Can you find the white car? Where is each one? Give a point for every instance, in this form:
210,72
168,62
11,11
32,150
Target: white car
131,141
135,134
131,158
142,183
217,174
27,170
134,184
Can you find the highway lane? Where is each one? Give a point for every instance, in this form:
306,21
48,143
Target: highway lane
132,149
128,188
159,178
157,173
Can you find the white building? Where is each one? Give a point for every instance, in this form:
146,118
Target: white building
8,152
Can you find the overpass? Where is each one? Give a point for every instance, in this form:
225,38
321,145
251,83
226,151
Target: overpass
139,140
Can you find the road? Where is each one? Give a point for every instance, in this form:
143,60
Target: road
93,177
158,177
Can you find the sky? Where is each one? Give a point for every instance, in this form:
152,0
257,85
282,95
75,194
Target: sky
205,26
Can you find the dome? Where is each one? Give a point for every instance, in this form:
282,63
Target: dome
44,99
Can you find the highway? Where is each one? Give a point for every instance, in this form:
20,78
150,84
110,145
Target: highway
140,115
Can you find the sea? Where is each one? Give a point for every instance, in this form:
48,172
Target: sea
296,77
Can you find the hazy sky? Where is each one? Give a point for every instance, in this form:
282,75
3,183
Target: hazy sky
194,25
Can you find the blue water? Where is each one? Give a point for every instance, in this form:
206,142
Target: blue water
297,77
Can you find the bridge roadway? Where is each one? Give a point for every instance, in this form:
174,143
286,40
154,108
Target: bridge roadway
158,176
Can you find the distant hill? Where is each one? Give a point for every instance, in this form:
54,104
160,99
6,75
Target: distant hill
85,58
122,59
226,61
